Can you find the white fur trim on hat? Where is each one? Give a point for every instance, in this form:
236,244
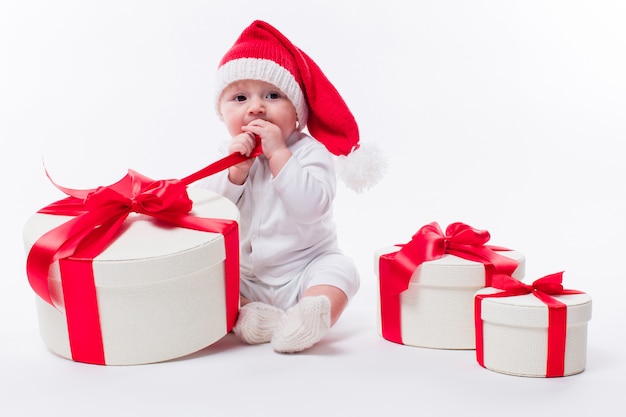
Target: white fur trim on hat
262,70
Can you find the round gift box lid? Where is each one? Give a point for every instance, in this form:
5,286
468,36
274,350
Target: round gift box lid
145,240
529,311
451,271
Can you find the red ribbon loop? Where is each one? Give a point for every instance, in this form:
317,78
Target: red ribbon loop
549,284
142,196
461,233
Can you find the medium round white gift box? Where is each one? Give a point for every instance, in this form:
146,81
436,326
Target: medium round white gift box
515,333
160,289
437,309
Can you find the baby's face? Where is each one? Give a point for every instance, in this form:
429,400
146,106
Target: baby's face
247,100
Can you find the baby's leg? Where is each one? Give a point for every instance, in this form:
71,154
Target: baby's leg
338,299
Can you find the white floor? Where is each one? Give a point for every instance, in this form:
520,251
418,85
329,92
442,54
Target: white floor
506,116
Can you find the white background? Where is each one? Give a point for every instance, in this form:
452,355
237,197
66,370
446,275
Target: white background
508,116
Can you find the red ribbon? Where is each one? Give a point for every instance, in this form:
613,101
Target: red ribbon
430,243
543,288
99,215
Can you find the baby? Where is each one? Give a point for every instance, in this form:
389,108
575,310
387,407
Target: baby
295,281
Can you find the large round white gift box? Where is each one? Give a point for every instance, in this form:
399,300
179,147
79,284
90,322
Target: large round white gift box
437,310
160,289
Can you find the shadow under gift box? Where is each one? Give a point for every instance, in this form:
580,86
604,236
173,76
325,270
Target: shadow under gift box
160,289
437,310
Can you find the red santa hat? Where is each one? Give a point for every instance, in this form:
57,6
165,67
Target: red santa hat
263,53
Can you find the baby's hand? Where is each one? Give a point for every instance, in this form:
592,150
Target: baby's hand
272,137
244,143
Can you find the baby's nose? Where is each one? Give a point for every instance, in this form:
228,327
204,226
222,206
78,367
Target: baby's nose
256,105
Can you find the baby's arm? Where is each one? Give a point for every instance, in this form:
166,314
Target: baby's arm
306,184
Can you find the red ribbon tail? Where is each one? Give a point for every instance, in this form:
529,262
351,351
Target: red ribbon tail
390,306
222,164
82,314
478,321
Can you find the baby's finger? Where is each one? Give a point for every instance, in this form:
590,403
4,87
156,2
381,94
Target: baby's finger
250,140
238,147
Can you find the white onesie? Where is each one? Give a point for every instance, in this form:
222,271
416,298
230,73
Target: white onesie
288,237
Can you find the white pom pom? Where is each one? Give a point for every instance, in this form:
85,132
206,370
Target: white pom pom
363,168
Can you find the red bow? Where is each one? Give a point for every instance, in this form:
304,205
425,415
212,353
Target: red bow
543,288
99,215
430,243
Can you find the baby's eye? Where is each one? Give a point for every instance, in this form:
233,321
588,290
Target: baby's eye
273,96
240,97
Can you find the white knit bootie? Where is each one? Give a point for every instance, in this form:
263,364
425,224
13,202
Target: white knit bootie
302,325
256,322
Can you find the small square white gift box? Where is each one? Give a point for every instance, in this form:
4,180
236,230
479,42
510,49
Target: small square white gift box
536,330
427,286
